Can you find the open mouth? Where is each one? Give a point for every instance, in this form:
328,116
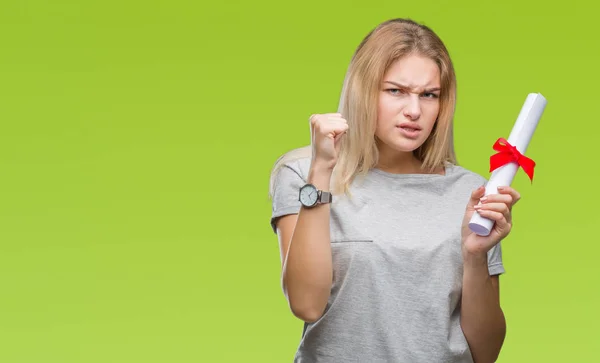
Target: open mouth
408,131
407,128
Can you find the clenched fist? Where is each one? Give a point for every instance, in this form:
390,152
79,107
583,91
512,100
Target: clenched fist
326,131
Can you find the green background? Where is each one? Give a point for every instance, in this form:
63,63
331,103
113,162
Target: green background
137,138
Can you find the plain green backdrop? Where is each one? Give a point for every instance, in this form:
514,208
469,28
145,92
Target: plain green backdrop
137,138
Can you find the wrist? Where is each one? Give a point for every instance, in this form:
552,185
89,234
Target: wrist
474,258
322,166
320,175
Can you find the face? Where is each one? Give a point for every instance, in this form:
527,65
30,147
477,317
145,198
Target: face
408,104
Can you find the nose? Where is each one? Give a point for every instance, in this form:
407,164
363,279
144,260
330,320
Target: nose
412,110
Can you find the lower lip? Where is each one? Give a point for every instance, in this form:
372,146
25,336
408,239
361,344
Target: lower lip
410,133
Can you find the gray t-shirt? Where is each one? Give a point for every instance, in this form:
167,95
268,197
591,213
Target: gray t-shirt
397,267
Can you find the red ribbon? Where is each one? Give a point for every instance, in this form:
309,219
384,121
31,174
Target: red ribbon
508,153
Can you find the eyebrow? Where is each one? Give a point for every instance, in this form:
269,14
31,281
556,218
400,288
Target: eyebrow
409,87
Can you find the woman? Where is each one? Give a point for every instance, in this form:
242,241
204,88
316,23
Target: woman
387,270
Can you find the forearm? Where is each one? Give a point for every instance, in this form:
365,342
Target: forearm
307,271
482,319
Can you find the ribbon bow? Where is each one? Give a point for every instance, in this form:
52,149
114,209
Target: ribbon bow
508,153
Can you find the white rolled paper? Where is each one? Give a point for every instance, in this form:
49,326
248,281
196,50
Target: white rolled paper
520,136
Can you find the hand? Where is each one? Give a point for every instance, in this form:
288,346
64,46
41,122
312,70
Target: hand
497,207
326,131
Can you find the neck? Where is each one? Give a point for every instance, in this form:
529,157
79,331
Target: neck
399,164
395,162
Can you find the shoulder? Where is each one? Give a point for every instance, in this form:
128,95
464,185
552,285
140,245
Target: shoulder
468,176
294,164
297,160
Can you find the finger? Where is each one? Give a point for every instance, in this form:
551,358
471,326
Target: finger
516,196
333,125
338,137
336,119
502,208
501,223
491,214
327,125
333,129
497,198
316,116
321,121
475,197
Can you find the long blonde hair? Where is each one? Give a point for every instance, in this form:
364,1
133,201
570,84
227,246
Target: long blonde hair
385,44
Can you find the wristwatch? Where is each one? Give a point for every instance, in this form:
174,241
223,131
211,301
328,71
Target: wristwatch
310,196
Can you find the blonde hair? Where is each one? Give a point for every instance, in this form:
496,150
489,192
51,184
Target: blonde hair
385,44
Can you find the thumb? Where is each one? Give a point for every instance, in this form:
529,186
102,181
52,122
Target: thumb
475,196
337,139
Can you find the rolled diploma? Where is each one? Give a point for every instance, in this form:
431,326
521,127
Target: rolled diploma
520,136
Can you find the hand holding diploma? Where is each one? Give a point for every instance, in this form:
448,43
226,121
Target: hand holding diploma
488,217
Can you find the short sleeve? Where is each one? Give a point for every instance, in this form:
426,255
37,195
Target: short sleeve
495,265
287,182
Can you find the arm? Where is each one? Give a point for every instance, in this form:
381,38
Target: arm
305,249
482,319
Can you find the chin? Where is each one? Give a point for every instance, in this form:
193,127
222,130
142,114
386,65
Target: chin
403,146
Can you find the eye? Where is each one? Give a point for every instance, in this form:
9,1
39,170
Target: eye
394,91
430,95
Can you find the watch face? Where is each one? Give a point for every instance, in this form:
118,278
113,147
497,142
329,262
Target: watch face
308,195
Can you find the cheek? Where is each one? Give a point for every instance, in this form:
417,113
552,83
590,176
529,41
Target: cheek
387,109
382,115
381,109
431,114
